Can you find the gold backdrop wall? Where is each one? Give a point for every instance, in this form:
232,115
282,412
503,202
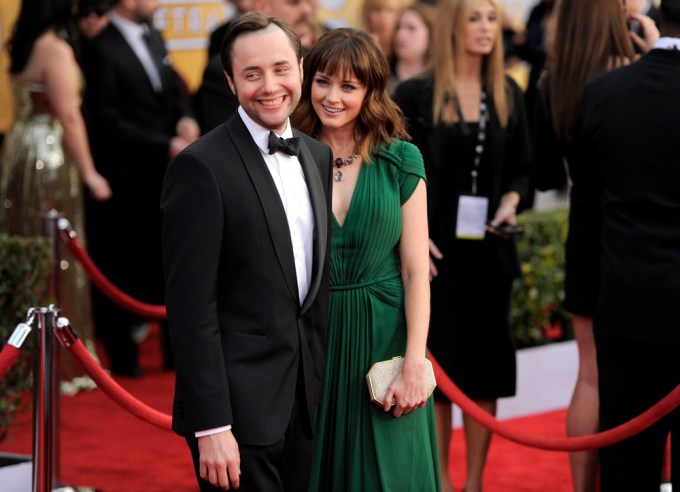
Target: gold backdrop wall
8,13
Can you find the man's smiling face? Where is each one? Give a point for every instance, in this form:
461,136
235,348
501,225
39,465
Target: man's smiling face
267,77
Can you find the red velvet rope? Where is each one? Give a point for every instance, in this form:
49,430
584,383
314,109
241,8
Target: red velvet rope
581,443
448,387
114,391
8,356
105,285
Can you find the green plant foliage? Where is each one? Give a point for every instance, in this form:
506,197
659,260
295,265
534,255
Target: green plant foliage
25,265
537,313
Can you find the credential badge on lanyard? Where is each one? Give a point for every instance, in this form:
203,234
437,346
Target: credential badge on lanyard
473,209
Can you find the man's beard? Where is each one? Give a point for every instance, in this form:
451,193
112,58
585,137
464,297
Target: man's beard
143,18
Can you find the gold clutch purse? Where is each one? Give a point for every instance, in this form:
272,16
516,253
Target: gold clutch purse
381,374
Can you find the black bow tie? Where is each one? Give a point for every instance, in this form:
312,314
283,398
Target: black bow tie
290,146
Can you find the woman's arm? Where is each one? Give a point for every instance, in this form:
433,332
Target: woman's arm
507,209
62,85
409,387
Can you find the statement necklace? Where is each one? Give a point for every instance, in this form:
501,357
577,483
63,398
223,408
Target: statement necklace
338,163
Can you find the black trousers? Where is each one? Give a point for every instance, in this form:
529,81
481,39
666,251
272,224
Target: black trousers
284,466
633,376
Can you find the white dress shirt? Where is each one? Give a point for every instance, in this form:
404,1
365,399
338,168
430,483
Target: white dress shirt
290,182
667,43
134,35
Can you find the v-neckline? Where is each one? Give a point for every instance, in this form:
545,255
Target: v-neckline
351,201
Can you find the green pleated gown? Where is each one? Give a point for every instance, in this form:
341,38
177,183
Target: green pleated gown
359,447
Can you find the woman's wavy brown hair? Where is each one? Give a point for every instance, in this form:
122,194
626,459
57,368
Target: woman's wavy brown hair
590,38
349,51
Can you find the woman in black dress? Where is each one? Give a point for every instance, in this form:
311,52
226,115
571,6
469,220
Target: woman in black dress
468,120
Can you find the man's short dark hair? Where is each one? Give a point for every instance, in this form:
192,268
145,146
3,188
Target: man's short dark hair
254,22
99,7
670,12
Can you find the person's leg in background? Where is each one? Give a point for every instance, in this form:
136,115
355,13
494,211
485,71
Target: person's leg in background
477,441
582,416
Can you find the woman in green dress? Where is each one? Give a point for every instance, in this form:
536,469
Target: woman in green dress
380,297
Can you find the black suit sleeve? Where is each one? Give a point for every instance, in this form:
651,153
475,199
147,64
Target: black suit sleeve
322,296
547,166
518,153
586,193
410,104
193,223
216,38
215,102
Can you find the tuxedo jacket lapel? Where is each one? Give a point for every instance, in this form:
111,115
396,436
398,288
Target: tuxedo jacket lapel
161,58
269,198
316,195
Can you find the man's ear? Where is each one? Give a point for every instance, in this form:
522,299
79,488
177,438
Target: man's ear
231,84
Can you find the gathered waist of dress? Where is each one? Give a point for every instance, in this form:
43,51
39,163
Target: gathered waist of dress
366,283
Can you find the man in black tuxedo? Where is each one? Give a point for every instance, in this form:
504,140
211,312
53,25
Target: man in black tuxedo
137,121
629,155
246,243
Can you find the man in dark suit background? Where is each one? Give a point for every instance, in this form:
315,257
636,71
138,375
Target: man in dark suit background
241,8
629,155
138,121
214,103
246,242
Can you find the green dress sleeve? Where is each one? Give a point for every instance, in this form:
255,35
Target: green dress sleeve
411,168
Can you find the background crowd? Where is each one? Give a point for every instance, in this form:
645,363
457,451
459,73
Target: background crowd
100,113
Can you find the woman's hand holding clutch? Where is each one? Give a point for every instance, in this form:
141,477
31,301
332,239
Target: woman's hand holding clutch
409,389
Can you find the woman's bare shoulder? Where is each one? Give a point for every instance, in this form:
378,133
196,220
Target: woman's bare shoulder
50,53
49,46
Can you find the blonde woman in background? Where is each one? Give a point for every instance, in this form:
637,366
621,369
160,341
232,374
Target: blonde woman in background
468,121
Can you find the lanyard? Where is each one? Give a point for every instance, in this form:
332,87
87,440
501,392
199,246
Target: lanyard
481,136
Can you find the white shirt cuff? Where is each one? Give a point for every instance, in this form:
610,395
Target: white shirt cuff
210,432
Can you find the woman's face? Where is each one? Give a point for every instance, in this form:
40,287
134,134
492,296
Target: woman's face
337,99
481,29
633,6
382,18
412,37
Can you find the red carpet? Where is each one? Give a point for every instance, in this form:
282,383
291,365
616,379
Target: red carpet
105,447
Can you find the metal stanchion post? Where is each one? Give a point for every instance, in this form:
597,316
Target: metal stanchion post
51,230
43,398
47,378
